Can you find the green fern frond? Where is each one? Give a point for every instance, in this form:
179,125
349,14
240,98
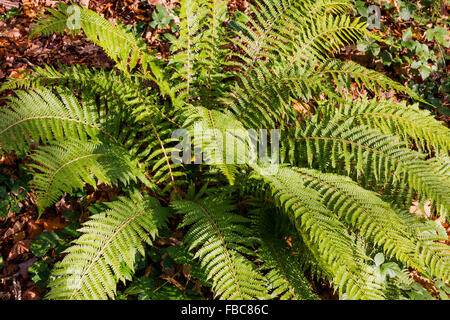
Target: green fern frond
365,212
333,247
284,273
120,44
199,54
42,116
266,95
341,147
67,166
311,7
285,29
107,248
341,74
397,118
221,239
117,88
211,131
431,247
185,47
158,146
327,34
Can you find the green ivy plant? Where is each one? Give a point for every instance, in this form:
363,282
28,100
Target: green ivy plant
424,60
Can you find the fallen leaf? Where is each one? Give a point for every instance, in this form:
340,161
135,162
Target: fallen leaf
31,294
52,224
19,249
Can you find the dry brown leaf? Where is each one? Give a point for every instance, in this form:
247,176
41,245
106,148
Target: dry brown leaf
52,224
19,249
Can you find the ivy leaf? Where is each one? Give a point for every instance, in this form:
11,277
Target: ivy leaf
407,35
438,34
44,242
406,12
425,71
361,7
363,46
386,58
40,273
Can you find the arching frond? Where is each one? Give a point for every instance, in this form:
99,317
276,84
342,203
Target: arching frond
397,118
284,272
120,44
222,239
431,247
42,116
340,74
67,166
364,211
342,147
333,247
286,29
107,248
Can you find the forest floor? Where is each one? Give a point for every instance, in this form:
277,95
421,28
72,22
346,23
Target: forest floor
18,54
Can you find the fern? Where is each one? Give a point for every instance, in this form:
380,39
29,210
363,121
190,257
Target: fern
42,116
374,154
350,167
121,45
284,271
69,165
332,246
399,119
199,54
107,248
222,240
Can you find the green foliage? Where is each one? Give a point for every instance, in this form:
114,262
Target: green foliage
425,56
70,165
337,207
280,260
13,190
161,18
222,241
91,268
13,12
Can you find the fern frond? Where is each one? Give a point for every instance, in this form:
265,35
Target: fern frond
186,46
333,247
324,35
264,98
397,118
67,166
341,74
158,146
365,212
284,273
107,248
434,254
286,29
42,116
342,147
199,52
310,7
266,95
222,239
120,44
220,136
117,88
